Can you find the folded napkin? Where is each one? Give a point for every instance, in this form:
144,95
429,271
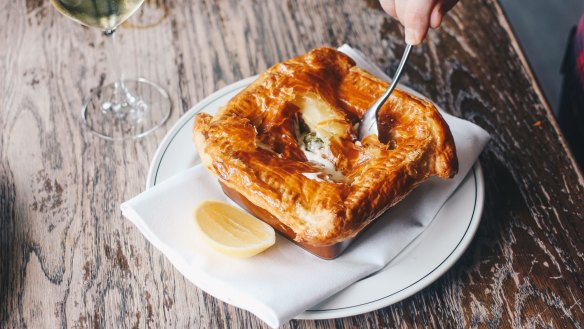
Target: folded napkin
285,280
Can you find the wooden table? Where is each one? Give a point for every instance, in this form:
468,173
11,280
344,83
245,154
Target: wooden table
69,259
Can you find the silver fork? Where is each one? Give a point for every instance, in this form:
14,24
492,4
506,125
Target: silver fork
368,124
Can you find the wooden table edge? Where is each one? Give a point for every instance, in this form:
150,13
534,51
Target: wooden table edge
536,86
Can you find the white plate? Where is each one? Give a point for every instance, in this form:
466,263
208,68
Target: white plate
418,265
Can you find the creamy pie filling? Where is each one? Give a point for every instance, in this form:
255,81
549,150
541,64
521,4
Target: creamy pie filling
316,125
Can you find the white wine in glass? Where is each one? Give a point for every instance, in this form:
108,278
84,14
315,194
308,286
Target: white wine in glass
125,109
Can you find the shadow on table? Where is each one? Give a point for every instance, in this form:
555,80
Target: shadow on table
8,270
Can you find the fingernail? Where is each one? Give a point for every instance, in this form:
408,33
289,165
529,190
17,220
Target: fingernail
413,36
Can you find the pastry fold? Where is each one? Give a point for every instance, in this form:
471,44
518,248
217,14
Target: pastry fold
287,145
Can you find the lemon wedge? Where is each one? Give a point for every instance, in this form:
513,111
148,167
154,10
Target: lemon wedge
232,231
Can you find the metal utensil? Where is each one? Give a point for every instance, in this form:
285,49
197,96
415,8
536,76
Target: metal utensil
368,124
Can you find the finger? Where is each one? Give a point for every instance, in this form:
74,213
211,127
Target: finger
440,9
400,9
436,16
416,20
389,7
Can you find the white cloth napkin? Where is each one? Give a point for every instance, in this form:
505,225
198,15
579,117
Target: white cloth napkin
285,280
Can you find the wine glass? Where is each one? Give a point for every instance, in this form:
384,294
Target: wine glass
125,109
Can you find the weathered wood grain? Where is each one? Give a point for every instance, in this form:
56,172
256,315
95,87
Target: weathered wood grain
69,259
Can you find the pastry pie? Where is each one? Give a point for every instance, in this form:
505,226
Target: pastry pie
285,148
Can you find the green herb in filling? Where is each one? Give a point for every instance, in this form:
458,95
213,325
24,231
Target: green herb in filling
311,141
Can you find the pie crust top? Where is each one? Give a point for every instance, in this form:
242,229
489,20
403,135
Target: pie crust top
288,144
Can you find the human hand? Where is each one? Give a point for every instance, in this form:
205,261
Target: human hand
417,16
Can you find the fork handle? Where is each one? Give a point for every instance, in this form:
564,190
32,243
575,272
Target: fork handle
395,79
369,120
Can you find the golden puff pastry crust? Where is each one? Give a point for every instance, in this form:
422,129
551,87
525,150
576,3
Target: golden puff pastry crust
286,147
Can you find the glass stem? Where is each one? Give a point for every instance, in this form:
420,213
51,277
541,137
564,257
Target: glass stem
121,97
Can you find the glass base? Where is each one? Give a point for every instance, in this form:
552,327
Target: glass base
126,110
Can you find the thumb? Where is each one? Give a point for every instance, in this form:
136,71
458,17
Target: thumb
417,20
